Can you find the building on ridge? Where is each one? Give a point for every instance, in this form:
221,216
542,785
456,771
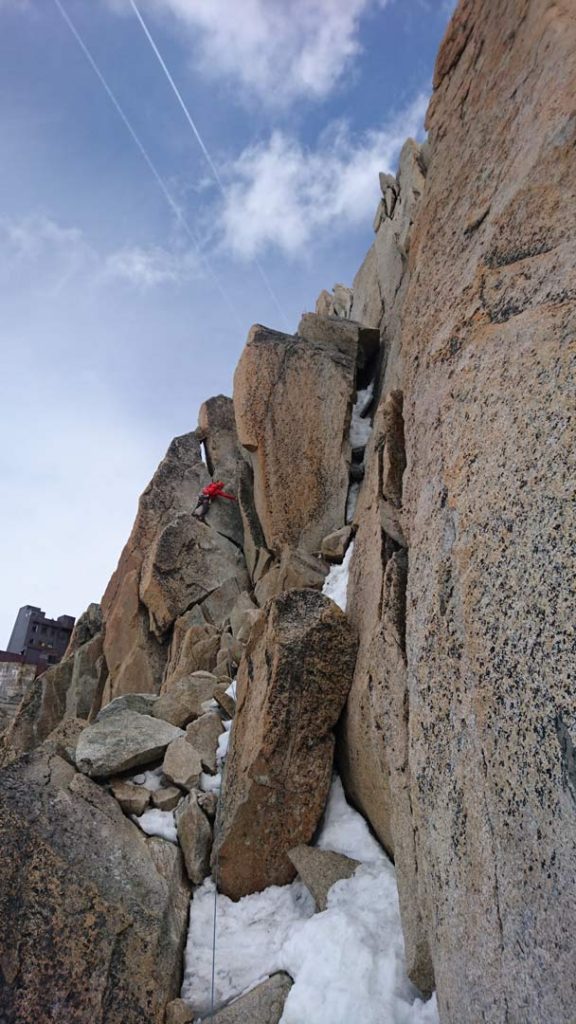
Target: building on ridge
41,641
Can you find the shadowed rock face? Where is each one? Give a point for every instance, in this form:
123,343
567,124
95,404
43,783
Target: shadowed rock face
92,914
291,688
477,715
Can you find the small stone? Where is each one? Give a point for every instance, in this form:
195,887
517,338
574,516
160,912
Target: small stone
208,802
225,701
195,837
262,1005
179,1012
334,546
320,869
182,764
203,735
166,799
132,799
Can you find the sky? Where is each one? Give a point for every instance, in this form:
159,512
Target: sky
146,224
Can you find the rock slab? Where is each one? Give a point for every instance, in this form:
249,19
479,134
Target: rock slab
291,687
93,915
122,741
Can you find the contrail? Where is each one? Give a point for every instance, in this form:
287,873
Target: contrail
144,154
201,143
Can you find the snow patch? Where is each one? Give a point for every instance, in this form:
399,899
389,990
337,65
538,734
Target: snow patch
360,425
151,780
336,582
157,823
347,962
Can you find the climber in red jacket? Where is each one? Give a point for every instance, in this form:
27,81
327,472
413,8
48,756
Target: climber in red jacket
208,495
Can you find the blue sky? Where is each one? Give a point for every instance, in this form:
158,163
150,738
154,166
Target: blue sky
124,300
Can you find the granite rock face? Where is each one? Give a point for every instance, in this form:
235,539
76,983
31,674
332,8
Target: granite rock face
92,914
291,688
136,657
463,697
71,689
293,398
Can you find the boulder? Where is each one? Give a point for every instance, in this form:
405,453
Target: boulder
203,735
335,545
262,1005
139,703
182,764
195,837
208,802
194,647
292,685
185,564
93,915
122,741
292,399
182,703
297,570
136,658
320,870
132,799
166,798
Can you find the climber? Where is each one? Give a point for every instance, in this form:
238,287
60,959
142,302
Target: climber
207,495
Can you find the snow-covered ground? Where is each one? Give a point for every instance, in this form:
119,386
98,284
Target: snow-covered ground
347,962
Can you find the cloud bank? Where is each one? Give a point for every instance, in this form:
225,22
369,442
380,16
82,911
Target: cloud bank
277,50
283,195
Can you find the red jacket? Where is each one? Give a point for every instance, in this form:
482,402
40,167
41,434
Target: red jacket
216,490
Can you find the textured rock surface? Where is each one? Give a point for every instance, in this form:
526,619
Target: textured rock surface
476,716
182,764
296,570
92,914
135,657
203,736
320,870
187,562
217,426
292,399
195,837
194,647
291,688
132,799
122,741
15,680
263,1005
183,701
73,688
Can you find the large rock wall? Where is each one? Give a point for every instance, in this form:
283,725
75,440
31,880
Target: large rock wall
477,715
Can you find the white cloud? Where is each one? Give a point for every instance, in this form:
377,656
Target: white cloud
283,195
152,266
279,50
51,255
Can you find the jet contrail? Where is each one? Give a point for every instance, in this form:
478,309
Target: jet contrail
144,154
200,142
